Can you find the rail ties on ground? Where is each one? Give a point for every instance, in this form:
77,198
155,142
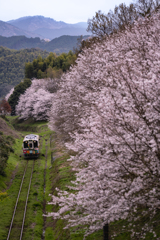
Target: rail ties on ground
26,202
15,208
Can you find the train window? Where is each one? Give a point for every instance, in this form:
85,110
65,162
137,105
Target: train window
25,144
35,144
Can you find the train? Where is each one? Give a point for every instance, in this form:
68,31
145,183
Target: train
30,146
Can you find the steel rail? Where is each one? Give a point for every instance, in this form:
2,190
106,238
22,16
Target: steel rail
24,216
17,202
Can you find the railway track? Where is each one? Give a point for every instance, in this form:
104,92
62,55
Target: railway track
19,213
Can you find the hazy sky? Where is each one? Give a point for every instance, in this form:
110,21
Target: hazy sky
69,11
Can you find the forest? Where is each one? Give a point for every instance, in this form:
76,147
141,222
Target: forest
105,110
12,64
51,67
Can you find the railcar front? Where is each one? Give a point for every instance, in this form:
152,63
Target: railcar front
31,146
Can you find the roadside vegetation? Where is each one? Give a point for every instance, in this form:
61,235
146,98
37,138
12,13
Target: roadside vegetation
5,149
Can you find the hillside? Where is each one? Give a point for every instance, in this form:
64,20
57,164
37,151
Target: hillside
19,42
6,129
42,27
12,65
63,44
57,45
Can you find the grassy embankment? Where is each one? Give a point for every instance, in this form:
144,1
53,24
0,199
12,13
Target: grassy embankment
46,177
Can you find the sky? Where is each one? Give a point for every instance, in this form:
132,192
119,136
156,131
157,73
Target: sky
69,11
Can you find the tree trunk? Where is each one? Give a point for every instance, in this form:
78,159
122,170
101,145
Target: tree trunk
106,232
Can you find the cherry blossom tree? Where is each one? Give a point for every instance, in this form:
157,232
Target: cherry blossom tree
36,101
109,109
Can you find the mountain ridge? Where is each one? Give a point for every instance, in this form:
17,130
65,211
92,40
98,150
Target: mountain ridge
58,45
8,30
42,27
31,23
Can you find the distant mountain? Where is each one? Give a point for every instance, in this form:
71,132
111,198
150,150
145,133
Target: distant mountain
8,30
57,45
55,33
47,27
33,23
80,24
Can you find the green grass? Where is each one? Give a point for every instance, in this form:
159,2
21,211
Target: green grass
14,170
13,161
